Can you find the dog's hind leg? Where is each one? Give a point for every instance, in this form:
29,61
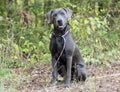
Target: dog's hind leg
80,72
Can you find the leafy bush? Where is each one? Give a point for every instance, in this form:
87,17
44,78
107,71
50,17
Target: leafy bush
24,34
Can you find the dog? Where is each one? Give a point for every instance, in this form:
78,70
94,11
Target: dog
66,58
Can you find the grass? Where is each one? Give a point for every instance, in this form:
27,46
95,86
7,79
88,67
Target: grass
24,80
37,77
6,81
11,80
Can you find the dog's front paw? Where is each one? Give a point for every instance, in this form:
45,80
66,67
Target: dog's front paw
53,82
67,85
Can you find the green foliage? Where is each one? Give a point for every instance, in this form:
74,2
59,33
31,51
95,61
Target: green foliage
24,34
93,37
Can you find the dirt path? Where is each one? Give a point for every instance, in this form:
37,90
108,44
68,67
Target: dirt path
103,79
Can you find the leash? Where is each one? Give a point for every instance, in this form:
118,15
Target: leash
63,36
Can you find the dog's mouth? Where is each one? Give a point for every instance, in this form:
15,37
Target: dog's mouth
60,26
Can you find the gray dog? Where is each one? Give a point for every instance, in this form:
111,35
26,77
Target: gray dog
66,58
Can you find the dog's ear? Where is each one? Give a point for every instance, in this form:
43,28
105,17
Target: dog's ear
49,16
69,12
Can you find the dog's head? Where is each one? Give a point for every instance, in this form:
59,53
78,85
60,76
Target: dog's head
59,17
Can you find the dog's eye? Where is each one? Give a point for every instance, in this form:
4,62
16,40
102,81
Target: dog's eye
62,13
54,15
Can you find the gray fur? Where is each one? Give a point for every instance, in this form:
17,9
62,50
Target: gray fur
71,62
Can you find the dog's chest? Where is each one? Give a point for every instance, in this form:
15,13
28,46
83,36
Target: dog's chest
57,47
59,43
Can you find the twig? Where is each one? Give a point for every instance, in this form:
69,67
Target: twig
112,75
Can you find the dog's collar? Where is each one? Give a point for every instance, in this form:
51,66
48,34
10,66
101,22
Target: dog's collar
57,35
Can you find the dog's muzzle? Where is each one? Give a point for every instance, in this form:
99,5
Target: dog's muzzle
60,24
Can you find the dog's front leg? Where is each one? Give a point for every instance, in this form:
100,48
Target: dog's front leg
68,76
54,72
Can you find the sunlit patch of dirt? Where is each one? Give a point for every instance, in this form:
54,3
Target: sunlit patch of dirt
101,78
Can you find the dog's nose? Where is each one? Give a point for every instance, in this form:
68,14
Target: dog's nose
60,22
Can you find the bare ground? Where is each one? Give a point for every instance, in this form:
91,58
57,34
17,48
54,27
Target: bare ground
101,78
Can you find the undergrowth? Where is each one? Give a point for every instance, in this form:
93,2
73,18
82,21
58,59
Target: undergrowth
25,36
